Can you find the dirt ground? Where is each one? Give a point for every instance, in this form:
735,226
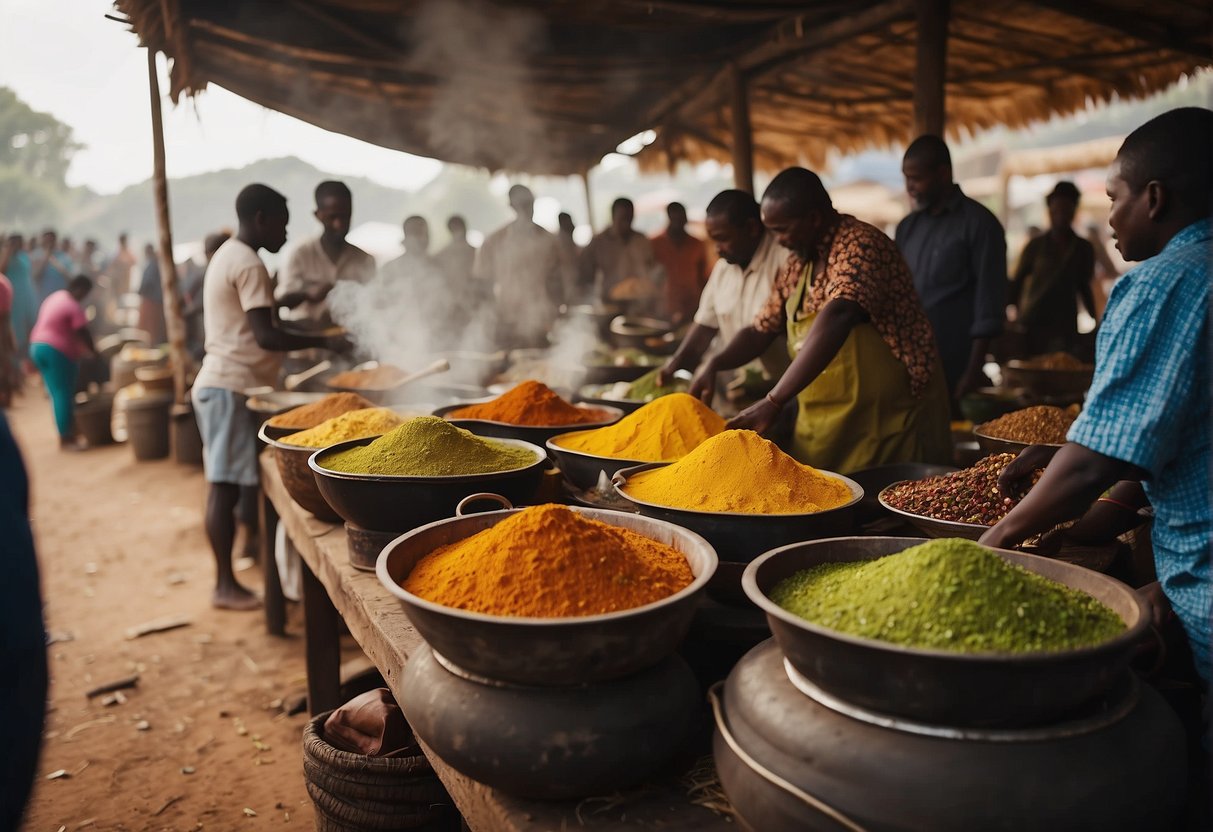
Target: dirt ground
202,741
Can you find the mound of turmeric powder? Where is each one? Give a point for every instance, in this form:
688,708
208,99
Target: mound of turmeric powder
663,430
370,421
550,562
739,471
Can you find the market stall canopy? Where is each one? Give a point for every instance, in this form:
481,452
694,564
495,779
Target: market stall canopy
550,87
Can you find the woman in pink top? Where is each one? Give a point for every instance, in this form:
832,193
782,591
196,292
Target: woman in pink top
59,339
9,372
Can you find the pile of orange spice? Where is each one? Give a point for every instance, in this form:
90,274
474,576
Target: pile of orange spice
550,562
533,404
309,415
383,377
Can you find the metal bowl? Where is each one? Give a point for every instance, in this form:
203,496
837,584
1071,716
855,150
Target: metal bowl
527,433
1038,382
995,445
549,651
297,476
942,687
280,401
742,537
637,332
398,504
599,315
931,526
875,480
611,373
582,470
474,368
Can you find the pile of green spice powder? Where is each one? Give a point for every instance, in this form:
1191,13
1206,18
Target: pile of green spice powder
948,595
430,447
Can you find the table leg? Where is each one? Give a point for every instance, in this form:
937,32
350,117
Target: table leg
275,601
323,646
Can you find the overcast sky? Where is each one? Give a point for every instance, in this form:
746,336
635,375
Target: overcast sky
65,58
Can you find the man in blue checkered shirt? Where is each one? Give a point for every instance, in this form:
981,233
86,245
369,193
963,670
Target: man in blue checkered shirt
1147,412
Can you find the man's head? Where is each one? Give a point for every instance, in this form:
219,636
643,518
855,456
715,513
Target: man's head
90,247
677,214
622,214
334,208
522,201
1161,181
263,217
734,225
565,221
49,239
927,168
122,238
1062,203
212,243
416,236
798,211
458,227
80,286
149,251
16,242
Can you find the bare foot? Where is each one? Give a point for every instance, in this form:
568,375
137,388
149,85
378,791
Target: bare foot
234,598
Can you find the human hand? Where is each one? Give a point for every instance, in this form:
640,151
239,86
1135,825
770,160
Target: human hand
1016,478
666,374
758,417
997,538
703,385
1157,606
338,344
972,379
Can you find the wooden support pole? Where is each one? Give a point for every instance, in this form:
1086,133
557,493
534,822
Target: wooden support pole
174,320
931,70
743,135
589,199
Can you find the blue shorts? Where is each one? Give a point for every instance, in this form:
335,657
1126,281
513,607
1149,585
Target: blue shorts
229,436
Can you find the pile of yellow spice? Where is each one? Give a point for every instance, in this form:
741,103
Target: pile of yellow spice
738,471
662,431
356,424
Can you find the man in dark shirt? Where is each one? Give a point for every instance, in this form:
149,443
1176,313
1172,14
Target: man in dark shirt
22,639
957,253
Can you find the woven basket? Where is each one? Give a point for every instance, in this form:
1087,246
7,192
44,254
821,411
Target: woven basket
357,792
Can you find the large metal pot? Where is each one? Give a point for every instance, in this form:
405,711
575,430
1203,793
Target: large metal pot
398,504
551,743
549,651
967,689
536,434
298,478
787,761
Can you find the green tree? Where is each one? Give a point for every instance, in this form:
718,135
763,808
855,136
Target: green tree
35,151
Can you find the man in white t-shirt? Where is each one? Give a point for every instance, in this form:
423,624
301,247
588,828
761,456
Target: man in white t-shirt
739,285
314,268
242,344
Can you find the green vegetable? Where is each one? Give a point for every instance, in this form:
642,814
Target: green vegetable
645,389
948,595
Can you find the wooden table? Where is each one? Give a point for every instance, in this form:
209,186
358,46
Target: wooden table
333,591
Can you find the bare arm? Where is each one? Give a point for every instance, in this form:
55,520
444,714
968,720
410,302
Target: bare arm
1074,479
273,339
746,345
690,351
826,337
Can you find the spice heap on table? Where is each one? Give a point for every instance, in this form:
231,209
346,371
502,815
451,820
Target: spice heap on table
309,415
550,562
662,431
948,595
739,471
383,377
430,447
968,496
533,404
1042,425
356,424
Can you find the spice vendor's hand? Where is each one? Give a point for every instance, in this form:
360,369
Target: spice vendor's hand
997,538
1157,606
758,417
1017,476
703,385
973,378
666,374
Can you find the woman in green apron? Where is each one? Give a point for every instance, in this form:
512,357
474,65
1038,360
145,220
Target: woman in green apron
864,366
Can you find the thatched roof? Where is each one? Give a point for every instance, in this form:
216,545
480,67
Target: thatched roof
550,87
